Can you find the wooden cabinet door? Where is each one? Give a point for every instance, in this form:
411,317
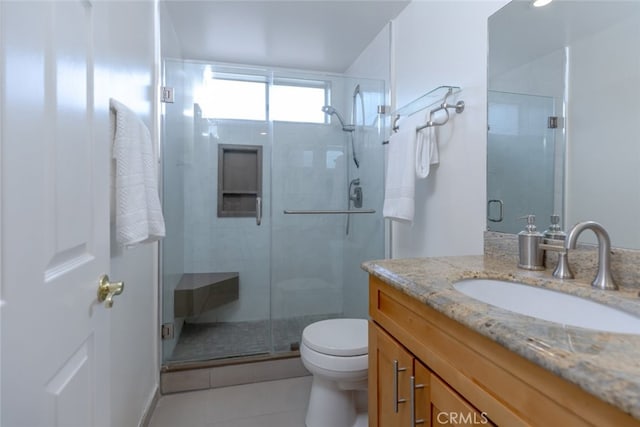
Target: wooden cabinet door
404,392
449,409
390,370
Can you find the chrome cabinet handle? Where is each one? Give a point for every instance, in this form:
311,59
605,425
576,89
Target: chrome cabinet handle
501,205
414,386
258,210
396,401
107,290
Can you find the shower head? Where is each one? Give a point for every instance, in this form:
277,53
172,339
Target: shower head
328,109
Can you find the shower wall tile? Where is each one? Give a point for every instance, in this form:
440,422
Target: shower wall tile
293,264
227,244
309,173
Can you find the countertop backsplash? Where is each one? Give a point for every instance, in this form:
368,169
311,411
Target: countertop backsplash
625,263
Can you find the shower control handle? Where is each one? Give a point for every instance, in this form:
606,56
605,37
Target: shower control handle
258,210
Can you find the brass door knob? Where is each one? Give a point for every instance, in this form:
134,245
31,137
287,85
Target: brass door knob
107,290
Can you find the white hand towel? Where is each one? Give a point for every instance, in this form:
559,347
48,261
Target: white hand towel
138,213
426,151
399,197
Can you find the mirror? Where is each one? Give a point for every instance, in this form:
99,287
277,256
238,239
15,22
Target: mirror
564,116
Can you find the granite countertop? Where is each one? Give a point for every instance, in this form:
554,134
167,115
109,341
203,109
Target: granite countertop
604,364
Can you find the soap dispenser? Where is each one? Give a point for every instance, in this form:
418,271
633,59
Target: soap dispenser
554,232
531,255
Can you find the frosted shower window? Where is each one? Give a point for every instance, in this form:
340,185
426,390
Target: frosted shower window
297,103
232,99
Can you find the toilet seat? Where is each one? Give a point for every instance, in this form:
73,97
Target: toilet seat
337,367
337,337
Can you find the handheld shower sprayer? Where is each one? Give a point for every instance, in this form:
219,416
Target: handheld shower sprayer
328,109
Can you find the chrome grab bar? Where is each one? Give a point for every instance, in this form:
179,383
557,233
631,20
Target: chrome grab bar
258,210
396,401
328,212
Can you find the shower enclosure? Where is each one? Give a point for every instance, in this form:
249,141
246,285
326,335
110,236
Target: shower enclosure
524,163
272,194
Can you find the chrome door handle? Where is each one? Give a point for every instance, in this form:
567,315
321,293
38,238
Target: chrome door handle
501,205
107,290
396,401
414,386
258,210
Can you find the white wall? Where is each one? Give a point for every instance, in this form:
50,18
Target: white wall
603,150
373,62
444,43
125,64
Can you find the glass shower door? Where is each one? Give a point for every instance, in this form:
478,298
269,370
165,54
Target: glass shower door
315,258
521,157
216,256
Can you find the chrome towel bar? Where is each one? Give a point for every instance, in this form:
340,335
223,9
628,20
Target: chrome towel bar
422,103
328,212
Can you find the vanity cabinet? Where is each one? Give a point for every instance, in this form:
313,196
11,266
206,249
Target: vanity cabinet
408,393
427,368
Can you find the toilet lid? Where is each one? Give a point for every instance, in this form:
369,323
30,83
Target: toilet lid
337,337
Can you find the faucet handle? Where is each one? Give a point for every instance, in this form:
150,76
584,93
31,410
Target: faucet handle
563,270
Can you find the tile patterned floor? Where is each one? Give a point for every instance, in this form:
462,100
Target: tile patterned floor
279,403
206,341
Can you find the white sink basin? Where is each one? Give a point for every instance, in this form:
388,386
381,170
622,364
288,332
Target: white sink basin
550,305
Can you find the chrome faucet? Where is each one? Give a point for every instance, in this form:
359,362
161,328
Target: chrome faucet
603,279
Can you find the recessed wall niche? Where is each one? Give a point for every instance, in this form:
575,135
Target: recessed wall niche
239,179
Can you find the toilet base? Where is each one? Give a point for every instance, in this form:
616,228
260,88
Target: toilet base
362,420
331,406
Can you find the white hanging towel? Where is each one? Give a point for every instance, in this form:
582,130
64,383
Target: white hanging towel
399,194
138,215
426,151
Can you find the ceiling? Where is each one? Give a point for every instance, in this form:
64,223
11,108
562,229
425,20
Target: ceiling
302,34
519,33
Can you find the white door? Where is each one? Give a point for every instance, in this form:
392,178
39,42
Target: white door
55,219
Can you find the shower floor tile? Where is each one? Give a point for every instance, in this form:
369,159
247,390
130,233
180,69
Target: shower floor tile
206,341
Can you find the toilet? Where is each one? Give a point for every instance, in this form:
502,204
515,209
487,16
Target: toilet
335,351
